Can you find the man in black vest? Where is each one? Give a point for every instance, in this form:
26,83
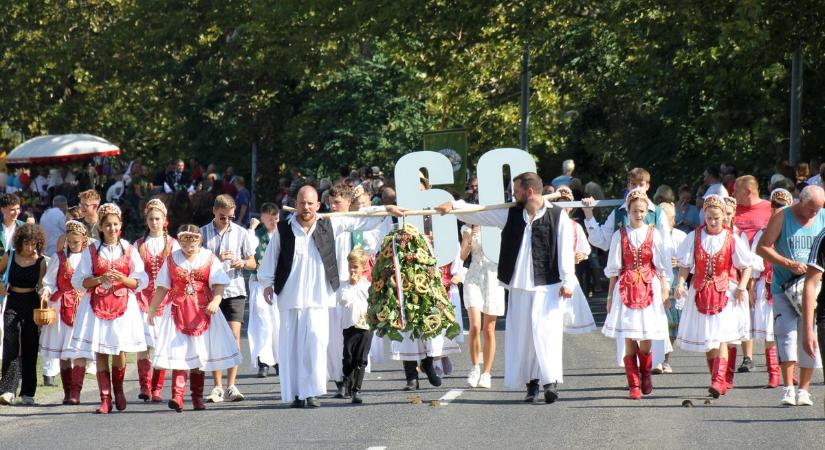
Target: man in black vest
537,266
301,270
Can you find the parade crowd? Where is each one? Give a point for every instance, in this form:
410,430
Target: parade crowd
170,267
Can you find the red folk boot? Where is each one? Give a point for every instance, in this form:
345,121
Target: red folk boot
78,374
178,387
731,369
718,387
118,373
631,369
66,381
104,384
772,362
158,376
144,367
645,367
196,380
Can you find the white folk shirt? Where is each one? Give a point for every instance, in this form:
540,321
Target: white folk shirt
712,244
307,285
523,273
111,253
217,276
353,297
8,233
637,236
52,268
156,244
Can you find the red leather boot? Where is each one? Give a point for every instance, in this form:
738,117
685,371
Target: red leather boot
118,373
645,367
196,380
772,362
178,387
144,367
631,369
731,369
104,385
66,381
158,376
718,387
78,374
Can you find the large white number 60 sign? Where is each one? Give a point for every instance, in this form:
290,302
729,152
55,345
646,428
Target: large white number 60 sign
490,191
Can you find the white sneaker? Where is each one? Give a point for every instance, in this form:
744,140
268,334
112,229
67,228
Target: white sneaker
803,398
216,396
484,381
7,398
788,396
234,394
26,400
473,376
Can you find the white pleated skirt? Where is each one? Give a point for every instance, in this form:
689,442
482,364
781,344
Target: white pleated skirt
482,290
215,349
55,338
150,332
415,349
648,323
701,333
578,319
762,315
92,334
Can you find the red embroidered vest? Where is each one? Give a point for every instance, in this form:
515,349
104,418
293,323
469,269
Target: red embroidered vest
152,265
109,304
636,278
189,296
712,274
65,290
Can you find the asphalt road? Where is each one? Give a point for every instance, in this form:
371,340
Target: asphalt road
593,412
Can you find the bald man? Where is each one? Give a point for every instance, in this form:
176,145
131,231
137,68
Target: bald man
300,269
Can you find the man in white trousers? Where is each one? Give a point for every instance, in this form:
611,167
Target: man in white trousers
300,267
537,265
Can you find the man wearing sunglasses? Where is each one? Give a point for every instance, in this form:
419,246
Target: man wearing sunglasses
231,244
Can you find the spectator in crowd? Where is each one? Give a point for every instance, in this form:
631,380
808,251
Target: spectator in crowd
89,202
664,193
802,172
566,176
53,222
242,202
713,181
178,179
10,207
687,214
816,180
229,188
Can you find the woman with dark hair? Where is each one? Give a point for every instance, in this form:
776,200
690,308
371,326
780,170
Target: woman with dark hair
21,339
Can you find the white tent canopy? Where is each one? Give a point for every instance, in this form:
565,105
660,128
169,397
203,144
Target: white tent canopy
60,148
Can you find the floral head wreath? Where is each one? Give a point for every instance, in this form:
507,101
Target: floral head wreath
188,236
730,201
635,194
357,191
109,208
713,201
155,204
780,195
75,227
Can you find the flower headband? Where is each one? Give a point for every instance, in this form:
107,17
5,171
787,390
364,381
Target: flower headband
713,201
75,227
636,194
730,201
188,236
780,195
109,208
154,204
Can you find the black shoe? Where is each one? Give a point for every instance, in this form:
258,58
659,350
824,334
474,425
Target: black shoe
532,391
429,369
263,371
297,403
48,381
313,402
551,393
412,385
339,393
355,380
411,372
356,398
277,370
747,365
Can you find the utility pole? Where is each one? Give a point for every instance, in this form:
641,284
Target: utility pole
525,79
796,107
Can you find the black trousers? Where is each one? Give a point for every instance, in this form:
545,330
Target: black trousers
357,343
21,342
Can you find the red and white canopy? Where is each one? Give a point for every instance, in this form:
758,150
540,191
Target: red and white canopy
60,148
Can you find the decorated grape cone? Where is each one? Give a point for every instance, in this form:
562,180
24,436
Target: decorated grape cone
406,292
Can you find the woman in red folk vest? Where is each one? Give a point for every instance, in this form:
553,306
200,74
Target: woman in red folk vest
108,319
191,337
57,286
637,267
153,248
710,318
